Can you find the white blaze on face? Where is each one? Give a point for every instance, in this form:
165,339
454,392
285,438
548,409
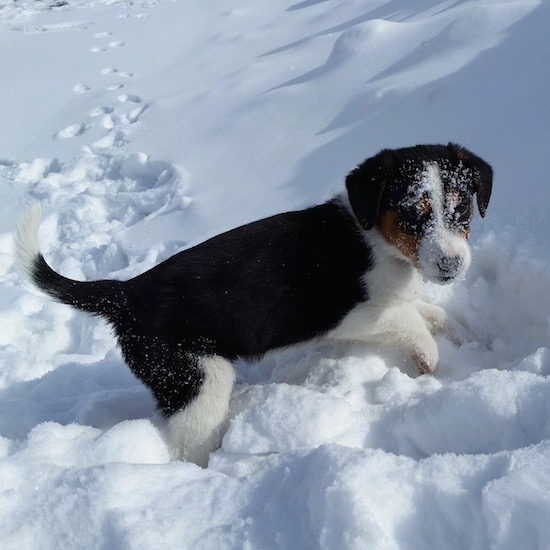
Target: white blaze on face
443,255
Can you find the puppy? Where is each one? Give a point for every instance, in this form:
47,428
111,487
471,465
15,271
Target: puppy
342,270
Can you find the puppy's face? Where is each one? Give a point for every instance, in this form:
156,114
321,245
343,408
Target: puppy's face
421,199
425,214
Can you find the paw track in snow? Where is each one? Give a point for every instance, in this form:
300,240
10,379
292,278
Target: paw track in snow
71,131
132,98
117,119
103,49
114,137
81,89
133,190
114,87
112,71
98,111
108,122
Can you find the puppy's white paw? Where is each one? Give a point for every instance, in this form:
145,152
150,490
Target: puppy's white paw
426,356
439,321
456,332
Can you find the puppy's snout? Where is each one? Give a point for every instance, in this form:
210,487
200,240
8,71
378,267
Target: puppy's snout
450,265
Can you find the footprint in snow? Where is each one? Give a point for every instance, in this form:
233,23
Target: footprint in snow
103,49
113,121
107,71
99,111
81,89
133,116
71,131
129,15
108,122
115,87
113,138
132,98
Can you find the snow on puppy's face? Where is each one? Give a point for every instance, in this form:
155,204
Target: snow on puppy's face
430,223
421,200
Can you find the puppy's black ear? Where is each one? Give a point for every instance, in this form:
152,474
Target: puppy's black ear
483,176
365,185
484,184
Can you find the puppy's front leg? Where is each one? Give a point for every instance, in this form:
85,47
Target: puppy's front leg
438,320
399,323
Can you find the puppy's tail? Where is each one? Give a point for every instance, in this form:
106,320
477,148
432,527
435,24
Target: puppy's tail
103,298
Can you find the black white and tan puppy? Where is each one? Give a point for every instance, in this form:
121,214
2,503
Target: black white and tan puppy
342,270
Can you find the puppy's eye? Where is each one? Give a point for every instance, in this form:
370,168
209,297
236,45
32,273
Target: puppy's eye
414,219
460,214
411,215
463,211
418,209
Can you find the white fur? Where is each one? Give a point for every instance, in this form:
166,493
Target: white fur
393,312
442,243
393,276
439,242
197,430
25,241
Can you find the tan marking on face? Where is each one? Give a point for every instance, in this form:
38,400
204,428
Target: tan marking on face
465,232
407,244
424,206
453,198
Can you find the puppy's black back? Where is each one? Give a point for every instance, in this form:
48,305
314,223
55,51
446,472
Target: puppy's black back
257,287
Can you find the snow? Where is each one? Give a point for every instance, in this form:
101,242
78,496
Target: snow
147,126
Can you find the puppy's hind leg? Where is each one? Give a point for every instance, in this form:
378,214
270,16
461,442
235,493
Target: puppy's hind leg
196,429
192,392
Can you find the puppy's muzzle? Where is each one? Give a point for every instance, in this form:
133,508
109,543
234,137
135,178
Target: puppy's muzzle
449,267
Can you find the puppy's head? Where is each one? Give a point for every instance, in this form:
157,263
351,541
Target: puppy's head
421,200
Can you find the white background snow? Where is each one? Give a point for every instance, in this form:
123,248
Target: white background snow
147,126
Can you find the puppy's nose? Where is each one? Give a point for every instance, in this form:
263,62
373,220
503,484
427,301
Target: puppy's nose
450,264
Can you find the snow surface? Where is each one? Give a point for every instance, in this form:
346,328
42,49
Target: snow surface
144,126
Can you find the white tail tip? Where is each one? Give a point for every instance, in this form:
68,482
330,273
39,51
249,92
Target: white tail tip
25,240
